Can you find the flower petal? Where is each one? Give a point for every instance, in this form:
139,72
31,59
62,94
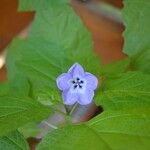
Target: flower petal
62,81
92,81
69,98
86,98
76,70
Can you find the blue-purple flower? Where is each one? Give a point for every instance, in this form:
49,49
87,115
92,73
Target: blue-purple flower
77,85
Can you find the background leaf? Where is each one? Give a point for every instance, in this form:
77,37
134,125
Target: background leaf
15,112
17,86
128,129
13,141
111,130
73,137
137,37
29,130
115,68
4,88
127,90
30,5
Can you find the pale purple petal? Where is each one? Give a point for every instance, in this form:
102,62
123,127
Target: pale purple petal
69,98
86,98
92,81
76,70
63,81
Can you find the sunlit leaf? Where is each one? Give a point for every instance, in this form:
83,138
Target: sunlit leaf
127,90
79,137
13,141
16,111
137,37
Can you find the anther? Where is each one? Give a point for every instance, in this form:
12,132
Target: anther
75,86
78,79
81,81
73,82
80,86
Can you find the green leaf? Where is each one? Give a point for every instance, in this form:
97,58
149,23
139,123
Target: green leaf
13,141
30,5
124,124
115,68
30,130
111,130
4,88
137,37
54,44
72,41
15,112
17,86
128,129
128,90
79,137
35,65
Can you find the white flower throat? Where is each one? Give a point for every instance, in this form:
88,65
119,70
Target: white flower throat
78,85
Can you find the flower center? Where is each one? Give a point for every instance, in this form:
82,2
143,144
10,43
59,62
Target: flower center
77,83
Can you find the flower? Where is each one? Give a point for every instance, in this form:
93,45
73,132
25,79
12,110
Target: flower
77,85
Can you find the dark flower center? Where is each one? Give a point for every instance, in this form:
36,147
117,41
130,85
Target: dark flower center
77,83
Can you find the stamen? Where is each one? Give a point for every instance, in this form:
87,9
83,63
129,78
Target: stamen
78,79
81,81
77,83
80,86
73,82
75,86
